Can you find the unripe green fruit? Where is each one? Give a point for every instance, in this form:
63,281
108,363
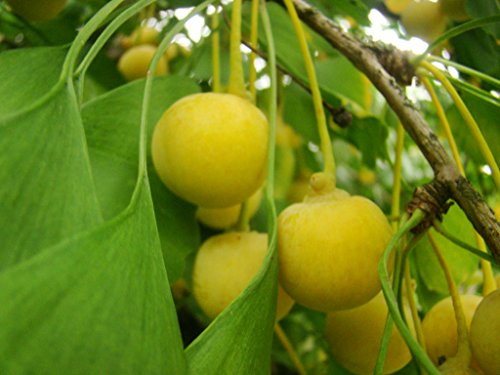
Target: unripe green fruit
329,249
423,19
396,6
37,10
354,337
454,9
134,63
225,265
440,327
211,149
222,218
485,334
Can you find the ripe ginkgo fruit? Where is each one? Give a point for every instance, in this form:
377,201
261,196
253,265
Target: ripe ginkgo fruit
211,149
39,10
440,327
396,6
141,35
134,63
423,19
354,337
329,248
454,9
222,218
224,266
485,334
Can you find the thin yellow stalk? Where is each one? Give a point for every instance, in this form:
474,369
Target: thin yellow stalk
236,78
410,297
289,349
254,32
215,52
444,123
396,184
489,284
464,353
326,144
469,120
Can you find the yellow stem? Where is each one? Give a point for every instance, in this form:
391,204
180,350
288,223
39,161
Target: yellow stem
254,31
243,223
396,184
463,347
215,52
236,79
289,349
469,120
489,284
444,123
410,296
326,144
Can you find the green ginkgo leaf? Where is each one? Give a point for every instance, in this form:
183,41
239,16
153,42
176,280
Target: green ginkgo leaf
97,303
239,340
46,190
112,128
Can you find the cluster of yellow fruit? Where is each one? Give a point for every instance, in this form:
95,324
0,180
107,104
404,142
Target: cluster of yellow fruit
40,10
427,19
140,47
329,244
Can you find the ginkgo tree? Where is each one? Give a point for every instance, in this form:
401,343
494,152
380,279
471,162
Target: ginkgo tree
249,187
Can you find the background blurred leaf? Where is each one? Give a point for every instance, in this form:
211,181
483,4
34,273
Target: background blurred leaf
112,128
462,264
47,192
98,303
485,8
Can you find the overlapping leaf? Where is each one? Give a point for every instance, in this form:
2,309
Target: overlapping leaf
112,128
47,192
98,303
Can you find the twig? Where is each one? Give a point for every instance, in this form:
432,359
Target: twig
366,60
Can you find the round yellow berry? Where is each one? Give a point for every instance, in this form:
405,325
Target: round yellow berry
134,63
224,266
211,149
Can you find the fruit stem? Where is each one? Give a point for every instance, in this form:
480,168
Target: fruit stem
289,349
215,51
390,297
396,184
243,223
469,120
444,123
254,31
236,79
326,144
410,297
441,230
464,353
466,70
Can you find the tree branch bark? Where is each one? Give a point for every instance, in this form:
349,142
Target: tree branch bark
445,170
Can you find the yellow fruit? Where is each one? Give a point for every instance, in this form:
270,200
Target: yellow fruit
396,6
222,218
354,337
211,149
37,10
329,249
454,9
440,327
485,334
223,268
366,176
423,19
134,63
141,35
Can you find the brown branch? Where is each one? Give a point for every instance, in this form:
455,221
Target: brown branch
446,173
